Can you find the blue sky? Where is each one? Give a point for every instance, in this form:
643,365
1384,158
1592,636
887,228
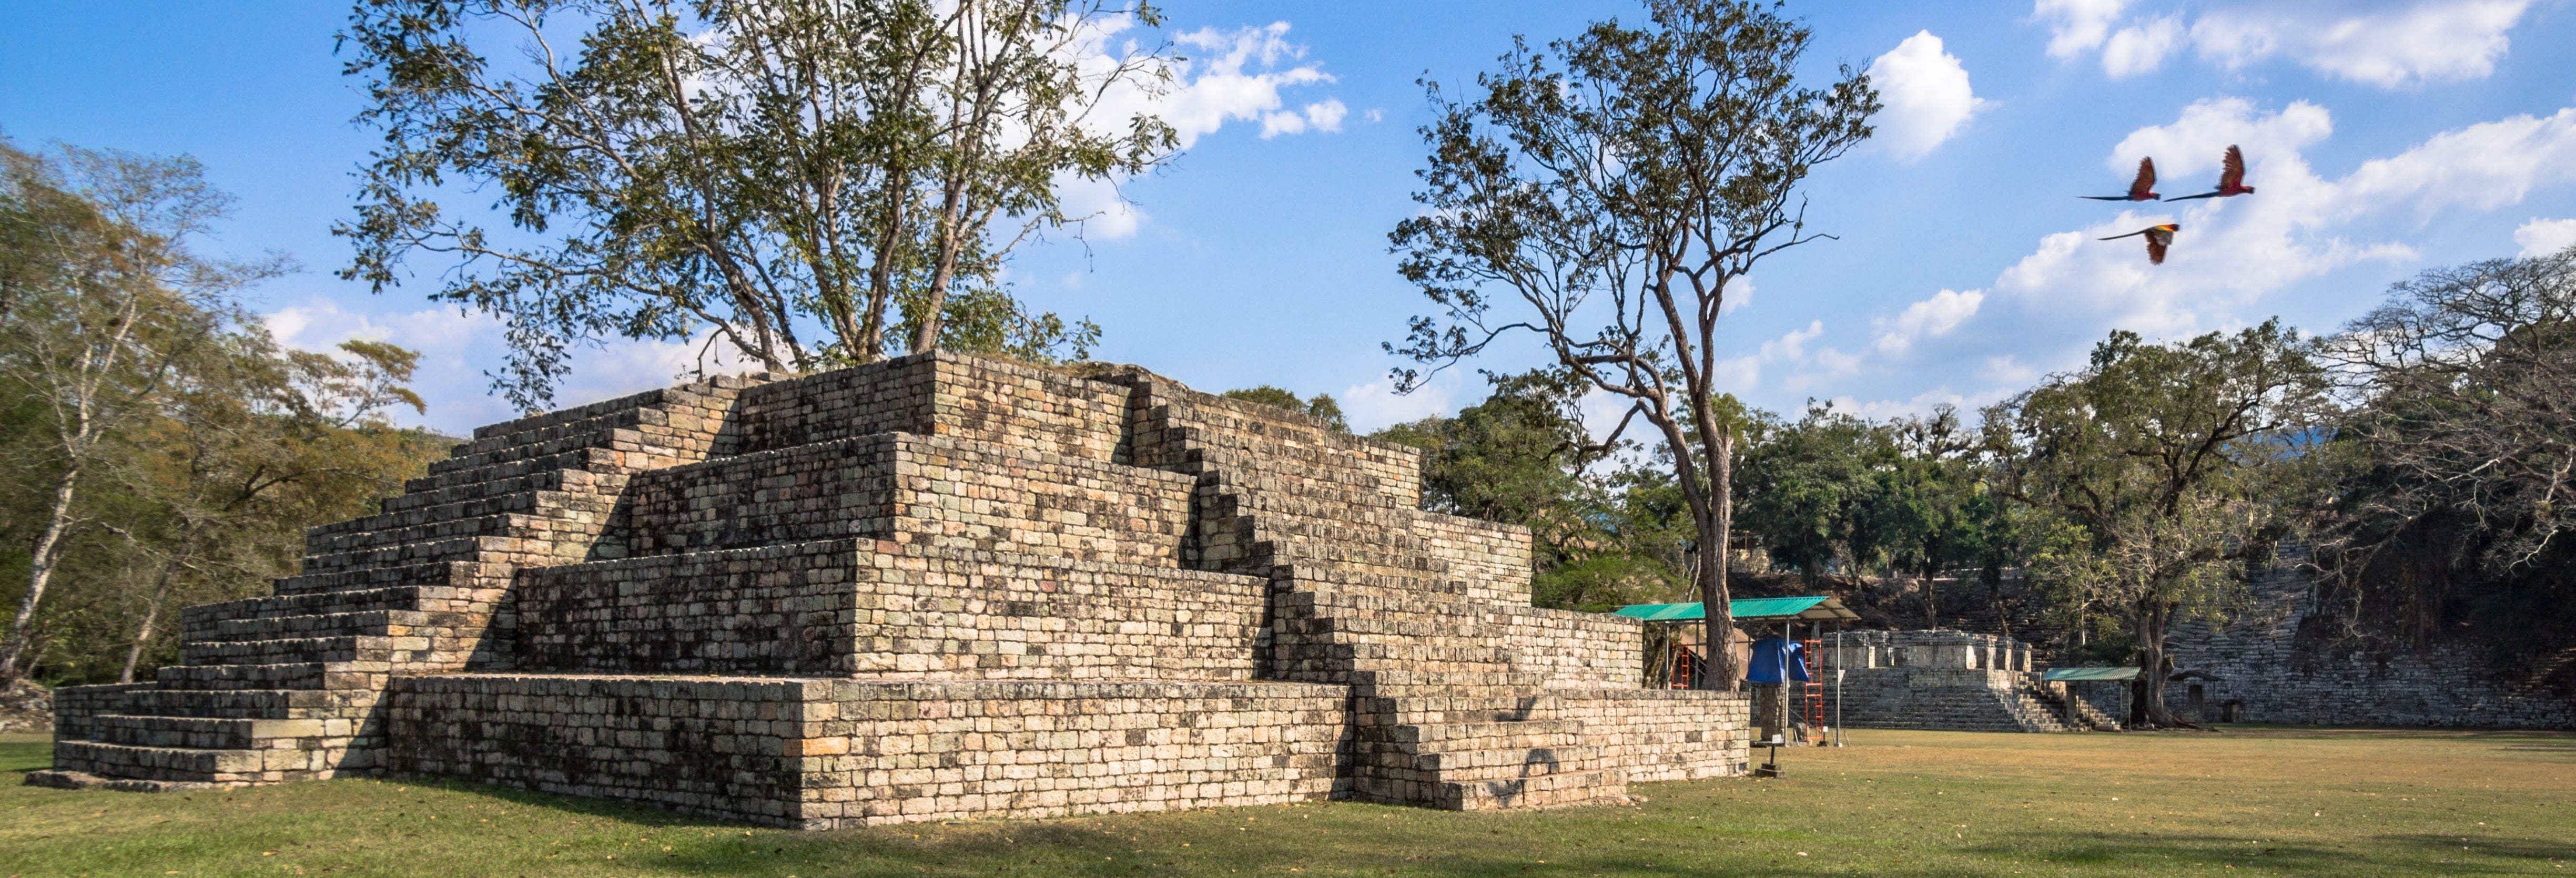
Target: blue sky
2386,138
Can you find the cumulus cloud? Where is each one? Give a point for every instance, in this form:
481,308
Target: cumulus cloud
2077,26
1227,76
1935,316
2541,237
2141,48
1926,94
2408,46
2436,41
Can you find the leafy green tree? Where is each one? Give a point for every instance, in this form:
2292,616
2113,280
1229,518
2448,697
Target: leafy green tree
2173,460
1322,406
1603,194
105,304
798,177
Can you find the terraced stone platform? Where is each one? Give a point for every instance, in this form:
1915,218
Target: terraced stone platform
934,587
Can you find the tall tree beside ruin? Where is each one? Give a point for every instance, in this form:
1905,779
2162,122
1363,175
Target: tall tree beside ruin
2173,460
101,305
1603,195
2450,514
804,179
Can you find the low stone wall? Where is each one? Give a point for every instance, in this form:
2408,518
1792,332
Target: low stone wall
900,752
726,747
819,754
1663,734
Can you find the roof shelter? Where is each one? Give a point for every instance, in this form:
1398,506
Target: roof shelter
2084,675
1811,608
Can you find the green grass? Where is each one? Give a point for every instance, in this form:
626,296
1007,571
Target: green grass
2245,801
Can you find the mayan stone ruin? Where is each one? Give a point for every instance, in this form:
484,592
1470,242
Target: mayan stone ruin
935,587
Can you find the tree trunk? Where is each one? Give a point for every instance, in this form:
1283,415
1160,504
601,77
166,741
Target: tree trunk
40,572
143,632
2147,703
1715,600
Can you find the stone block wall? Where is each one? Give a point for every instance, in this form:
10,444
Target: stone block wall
2256,660
821,753
1574,650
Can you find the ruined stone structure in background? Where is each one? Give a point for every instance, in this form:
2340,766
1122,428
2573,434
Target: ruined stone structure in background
2253,667
930,588
1951,681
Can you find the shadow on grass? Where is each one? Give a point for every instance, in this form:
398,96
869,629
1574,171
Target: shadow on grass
2545,849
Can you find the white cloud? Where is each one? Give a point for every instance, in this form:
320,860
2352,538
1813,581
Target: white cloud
2542,237
1742,374
2394,47
1935,316
2199,138
1238,75
2482,166
2141,48
2434,41
1926,94
2077,26
2007,369
1375,405
1241,75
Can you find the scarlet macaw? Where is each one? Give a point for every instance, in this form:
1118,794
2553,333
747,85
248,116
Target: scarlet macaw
2231,178
2140,189
2158,238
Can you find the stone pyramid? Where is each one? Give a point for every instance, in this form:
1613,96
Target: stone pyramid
934,587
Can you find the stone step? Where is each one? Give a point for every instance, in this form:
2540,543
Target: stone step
306,650
384,623
1539,791
504,524
252,703
596,431
482,480
184,764
203,733
81,780
464,549
438,573
204,616
327,537
306,675
576,479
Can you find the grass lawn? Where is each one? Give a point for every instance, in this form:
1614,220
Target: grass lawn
2244,801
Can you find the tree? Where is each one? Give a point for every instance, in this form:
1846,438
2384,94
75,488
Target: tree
1521,456
1322,406
1616,184
750,169
101,304
255,444
2449,510
2173,460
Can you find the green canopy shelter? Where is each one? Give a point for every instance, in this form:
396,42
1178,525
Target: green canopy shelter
1812,608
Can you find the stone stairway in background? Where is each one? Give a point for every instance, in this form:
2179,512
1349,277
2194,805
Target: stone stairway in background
289,686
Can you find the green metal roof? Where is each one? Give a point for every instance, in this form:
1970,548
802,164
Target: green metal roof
1746,609
2082,674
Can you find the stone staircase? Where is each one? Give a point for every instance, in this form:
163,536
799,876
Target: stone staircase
288,686
1444,718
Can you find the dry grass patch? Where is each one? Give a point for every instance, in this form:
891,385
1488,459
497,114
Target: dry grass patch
2245,801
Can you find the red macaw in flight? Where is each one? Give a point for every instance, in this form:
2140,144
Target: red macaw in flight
2158,238
2140,189
2231,178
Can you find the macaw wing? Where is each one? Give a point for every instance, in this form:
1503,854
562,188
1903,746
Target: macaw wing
2232,173
2157,241
2145,184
